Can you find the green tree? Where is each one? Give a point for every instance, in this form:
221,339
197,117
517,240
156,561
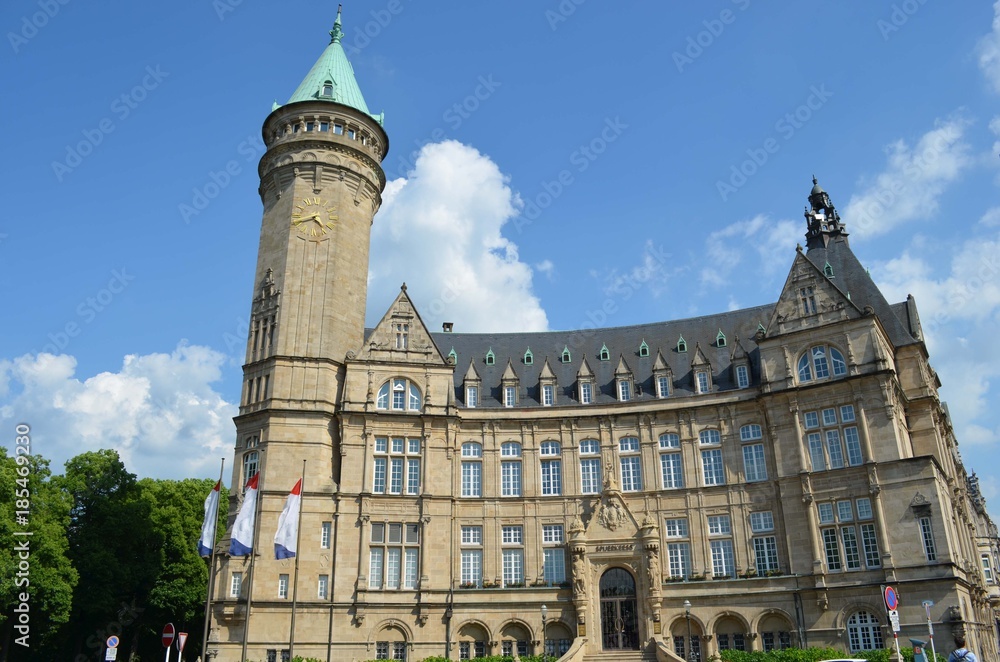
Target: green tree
50,577
114,547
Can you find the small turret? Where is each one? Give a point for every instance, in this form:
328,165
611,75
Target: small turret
822,220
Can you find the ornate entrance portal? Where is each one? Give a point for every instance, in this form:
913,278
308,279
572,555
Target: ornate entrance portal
619,620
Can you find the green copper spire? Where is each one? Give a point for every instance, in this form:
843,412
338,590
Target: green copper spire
332,77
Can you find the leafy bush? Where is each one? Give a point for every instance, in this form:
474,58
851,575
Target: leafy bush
816,655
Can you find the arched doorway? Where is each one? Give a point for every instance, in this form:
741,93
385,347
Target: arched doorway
619,618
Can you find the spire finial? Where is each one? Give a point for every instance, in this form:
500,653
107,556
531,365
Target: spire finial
336,33
814,180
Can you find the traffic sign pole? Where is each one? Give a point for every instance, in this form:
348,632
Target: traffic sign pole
167,638
930,627
892,605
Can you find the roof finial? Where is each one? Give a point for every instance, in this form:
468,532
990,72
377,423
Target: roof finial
336,33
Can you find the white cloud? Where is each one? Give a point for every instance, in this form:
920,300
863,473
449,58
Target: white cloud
988,51
728,248
439,230
913,180
158,411
991,218
651,272
546,267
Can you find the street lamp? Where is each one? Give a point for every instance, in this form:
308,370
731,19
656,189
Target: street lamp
687,617
545,617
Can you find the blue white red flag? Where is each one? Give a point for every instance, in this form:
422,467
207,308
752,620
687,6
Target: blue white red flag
242,538
207,540
287,535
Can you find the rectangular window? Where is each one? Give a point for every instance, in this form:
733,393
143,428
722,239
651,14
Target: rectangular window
761,521
742,376
723,560
378,483
509,396
513,567
834,449
551,477
676,528
472,396
628,444
510,479
808,301
375,568
853,446
397,445
512,535
832,549
413,476
381,445
472,535
765,551
811,420
323,587
472,567
987,568
586,393
671,471
847,413
829,416
631,474
548,395
845,511
410,568
662,387
870,543
719,525
864,506
753,462
624,390
852,555
590,475
392,564
826,513
324,535
816,454
395,475
927,535
236,585
552,534
679,559
670,440
554,566
472,479
702,382
711,467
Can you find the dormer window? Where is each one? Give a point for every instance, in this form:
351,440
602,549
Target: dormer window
472,396
328,89
509,396
624,390
586,392
529,358
452,356
605,354
702,381
566,356
720,339
682,345
491,358
662,386
828,270
643,349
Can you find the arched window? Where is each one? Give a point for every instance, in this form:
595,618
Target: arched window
398,395
864,632
818,362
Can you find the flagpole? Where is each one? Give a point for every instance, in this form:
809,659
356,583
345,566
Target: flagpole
298,553
211,573
253,556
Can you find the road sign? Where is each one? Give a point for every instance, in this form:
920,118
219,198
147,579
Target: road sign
894,619
891,598
168,635
111,654
182,638
112,641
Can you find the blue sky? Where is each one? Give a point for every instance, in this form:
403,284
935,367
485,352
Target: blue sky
546,158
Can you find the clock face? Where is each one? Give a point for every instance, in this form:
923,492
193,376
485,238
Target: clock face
314,217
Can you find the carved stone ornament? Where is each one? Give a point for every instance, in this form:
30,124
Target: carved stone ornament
612,515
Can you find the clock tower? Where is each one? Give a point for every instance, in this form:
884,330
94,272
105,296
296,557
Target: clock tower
320,185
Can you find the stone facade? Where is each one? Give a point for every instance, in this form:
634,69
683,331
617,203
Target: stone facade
773,467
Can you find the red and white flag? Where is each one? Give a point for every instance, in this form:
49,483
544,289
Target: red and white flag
287,535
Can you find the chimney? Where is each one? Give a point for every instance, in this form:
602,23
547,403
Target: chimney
447,327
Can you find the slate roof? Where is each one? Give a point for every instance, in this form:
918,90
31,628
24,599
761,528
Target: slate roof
621,342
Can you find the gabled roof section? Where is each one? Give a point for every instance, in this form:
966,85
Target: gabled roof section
739,353
471,375
699,358
622,368
508,373
809,298
546,372
584,370
401,336
660,363
332,68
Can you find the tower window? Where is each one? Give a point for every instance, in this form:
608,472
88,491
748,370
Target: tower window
327,90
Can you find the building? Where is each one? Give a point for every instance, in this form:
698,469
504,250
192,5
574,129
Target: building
744,480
